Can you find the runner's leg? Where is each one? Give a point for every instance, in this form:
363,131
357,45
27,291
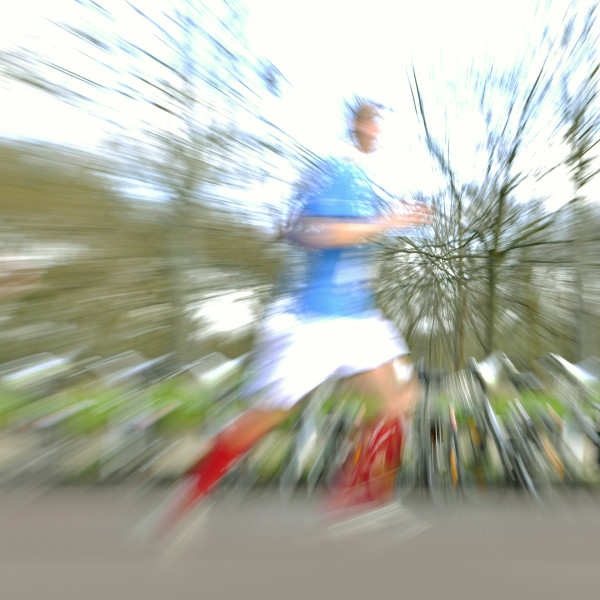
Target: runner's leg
396,394
225,451
368,476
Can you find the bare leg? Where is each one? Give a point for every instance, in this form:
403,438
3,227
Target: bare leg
225,451
250,427
396,398
369,475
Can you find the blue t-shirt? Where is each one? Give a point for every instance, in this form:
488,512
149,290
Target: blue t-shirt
339,281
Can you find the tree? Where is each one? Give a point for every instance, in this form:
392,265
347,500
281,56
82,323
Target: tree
490,224
580,112
179,93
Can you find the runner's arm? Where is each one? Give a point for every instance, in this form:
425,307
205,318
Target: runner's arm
319,233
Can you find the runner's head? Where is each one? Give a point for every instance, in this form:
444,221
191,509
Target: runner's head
363,123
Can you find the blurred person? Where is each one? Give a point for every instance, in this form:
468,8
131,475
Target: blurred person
332,328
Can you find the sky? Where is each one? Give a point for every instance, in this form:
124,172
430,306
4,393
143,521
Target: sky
331,50
335,48
328,51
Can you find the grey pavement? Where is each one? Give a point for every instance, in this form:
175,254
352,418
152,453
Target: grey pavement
81,544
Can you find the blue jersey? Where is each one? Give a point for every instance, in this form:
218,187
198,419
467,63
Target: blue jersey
339,281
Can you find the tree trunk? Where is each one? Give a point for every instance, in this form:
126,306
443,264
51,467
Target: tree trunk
491,307
459,327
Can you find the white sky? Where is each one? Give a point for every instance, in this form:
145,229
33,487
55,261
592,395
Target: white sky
335,48
328,50
339,47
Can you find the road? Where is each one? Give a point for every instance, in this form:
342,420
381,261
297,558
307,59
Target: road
81,544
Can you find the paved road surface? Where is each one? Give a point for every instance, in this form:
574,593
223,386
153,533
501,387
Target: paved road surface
73,544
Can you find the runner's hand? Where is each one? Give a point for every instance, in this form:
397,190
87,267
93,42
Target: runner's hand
415,214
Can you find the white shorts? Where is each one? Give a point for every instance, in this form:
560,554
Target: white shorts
294,356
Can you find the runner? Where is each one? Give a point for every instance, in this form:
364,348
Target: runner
332,329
